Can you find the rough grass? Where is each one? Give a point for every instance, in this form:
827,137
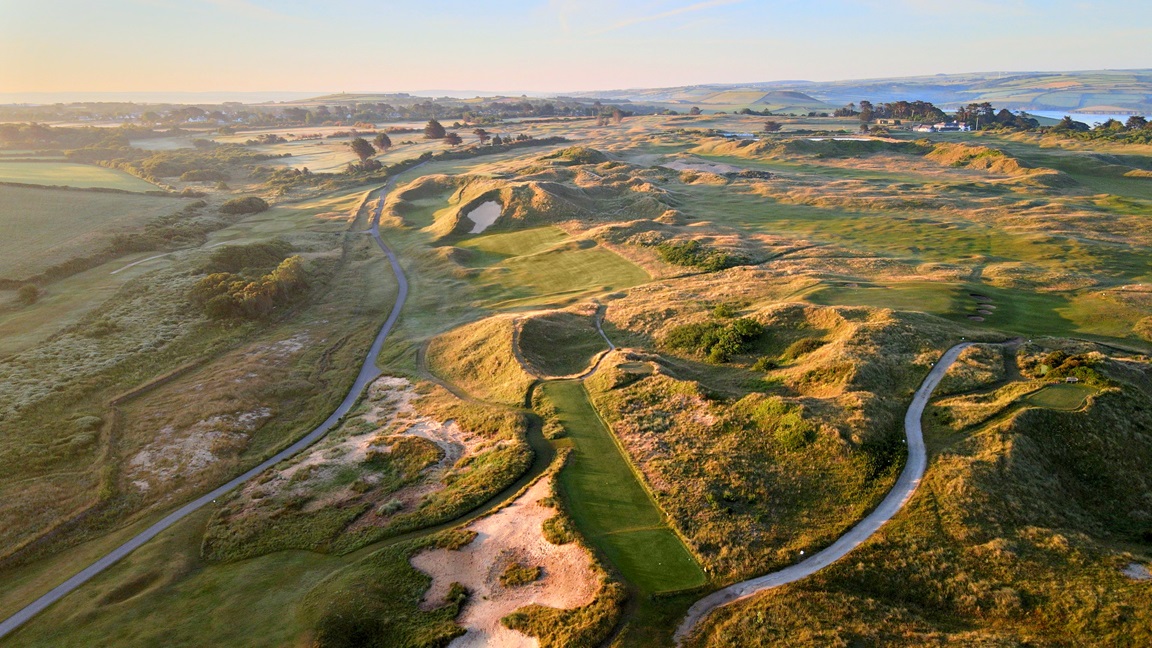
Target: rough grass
479,359
1017,535
561,343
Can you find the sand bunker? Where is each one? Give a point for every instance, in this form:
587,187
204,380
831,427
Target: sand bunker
483,215
1136,571
699,166
511,535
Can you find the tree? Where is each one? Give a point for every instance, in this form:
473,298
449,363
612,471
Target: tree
382,142
362,148
481,135
1136,122
866,111
496,141
1069,124
452,139
617,115
771,126
434,130
694,111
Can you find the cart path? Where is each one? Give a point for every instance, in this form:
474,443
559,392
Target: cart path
368,373
899,495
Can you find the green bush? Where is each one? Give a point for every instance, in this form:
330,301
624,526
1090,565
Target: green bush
715,340
245,205
695,254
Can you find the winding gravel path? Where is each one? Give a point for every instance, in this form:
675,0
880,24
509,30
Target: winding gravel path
899,495
368,373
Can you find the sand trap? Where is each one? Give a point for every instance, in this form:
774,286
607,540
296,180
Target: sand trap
701,167
483,215
1136,571
510,535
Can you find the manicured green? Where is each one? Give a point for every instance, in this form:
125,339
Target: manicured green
70,174
1065,396
610,507
509,244
560,275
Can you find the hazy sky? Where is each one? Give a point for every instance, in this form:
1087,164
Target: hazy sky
544,45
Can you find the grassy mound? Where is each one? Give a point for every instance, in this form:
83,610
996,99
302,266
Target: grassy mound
479,358
1017,535
559,344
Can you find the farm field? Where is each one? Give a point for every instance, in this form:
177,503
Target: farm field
69,174
44,227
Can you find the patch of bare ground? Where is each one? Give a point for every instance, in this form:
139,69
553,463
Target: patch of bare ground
168,444
513,535
341,470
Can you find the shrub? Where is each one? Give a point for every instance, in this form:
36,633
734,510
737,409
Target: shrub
558,530
801,347
718,341
696,254
245,205
517,575
28,294
204,175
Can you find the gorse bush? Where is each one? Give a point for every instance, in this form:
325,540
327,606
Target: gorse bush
696,254
245,205
224,295
716,340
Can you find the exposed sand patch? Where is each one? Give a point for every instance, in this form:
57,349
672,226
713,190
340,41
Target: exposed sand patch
391,414
700,166
1136,571
184,452
510,535
483,215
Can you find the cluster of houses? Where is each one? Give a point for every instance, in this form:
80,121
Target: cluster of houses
942,127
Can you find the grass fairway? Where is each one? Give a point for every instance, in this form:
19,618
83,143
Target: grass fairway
1067,397
542,266
611,507
70,174
493,248
560,275
42,227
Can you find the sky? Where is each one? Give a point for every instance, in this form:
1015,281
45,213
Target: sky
543,46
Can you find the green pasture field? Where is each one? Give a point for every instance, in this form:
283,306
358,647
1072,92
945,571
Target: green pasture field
1068,397
609,505
70,174
40,228
66,302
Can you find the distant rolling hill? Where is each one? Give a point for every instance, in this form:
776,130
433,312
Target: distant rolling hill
1082,91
